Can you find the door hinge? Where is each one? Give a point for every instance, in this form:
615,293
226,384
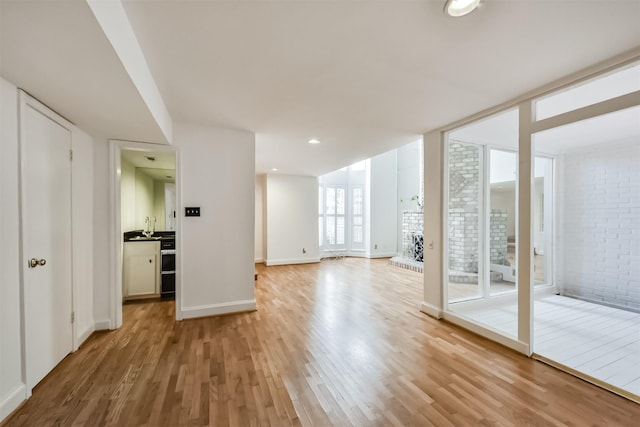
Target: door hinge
73,317
70,154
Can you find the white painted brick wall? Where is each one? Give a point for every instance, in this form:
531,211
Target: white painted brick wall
600,234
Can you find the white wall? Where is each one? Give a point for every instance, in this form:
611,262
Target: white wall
383,206
292,219
600,231
259,251
101,231
158,204
82,229
127,195
216,250
408,182
12,388
144,199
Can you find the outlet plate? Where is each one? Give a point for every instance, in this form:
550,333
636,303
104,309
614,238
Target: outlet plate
192,211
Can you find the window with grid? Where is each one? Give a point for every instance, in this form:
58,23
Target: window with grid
334,216
357,217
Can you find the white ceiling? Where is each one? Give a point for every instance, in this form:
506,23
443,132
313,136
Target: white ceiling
363,77
139,159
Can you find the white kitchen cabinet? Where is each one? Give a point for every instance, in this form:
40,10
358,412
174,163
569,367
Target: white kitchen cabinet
141,269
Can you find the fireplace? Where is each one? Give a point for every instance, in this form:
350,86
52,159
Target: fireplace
417,247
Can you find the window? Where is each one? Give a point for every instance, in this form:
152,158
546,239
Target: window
357,220
334,216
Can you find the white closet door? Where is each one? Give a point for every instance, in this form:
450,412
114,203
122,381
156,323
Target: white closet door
46,215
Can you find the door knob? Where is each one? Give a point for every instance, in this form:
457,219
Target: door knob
34,262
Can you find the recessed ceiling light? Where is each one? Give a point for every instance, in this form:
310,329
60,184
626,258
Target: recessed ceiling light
274,169
458,8
314,141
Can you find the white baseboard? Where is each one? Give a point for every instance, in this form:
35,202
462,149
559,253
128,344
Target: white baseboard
103,325
86,334
258,261
431,310
488,332
12,401
218,309
271,262
383,255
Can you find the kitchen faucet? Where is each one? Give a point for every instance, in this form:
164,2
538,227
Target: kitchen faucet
149,232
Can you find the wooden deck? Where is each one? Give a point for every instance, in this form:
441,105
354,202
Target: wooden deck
336,343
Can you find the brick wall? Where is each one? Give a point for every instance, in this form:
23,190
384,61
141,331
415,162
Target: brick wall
464,204
498,233
600,232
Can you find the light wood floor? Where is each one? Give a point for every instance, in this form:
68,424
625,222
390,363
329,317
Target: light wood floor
336,343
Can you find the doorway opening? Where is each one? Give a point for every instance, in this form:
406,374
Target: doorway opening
145,229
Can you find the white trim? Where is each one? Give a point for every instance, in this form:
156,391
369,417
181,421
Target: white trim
258,261
103,325
218,309
270,262
13,401
85,334
382,255
487,332
115,239
431,310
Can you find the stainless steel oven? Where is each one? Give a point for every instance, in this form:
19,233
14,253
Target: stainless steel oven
168,268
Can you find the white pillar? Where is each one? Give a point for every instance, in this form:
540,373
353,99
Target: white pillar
525,235
433,224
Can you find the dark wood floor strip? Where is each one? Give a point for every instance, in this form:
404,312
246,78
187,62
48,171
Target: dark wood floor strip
337,343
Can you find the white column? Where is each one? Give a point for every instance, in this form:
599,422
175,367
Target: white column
433,224
525,235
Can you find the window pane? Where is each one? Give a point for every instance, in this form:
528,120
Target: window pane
357,201
502,220
340,200
597,90
340,231
331,230
357,234
465,196
357,220
331,201
320,231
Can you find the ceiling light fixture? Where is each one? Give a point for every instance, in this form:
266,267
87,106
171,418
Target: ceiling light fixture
274,169
457,8
314,141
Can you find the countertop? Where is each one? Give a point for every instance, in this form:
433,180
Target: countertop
137,236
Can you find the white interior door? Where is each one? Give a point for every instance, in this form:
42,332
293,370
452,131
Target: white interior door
46,213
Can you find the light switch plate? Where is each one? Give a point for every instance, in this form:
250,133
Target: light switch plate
193,211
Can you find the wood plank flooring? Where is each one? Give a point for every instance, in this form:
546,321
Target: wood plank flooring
337,343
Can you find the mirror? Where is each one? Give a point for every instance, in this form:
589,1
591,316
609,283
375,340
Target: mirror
148,190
